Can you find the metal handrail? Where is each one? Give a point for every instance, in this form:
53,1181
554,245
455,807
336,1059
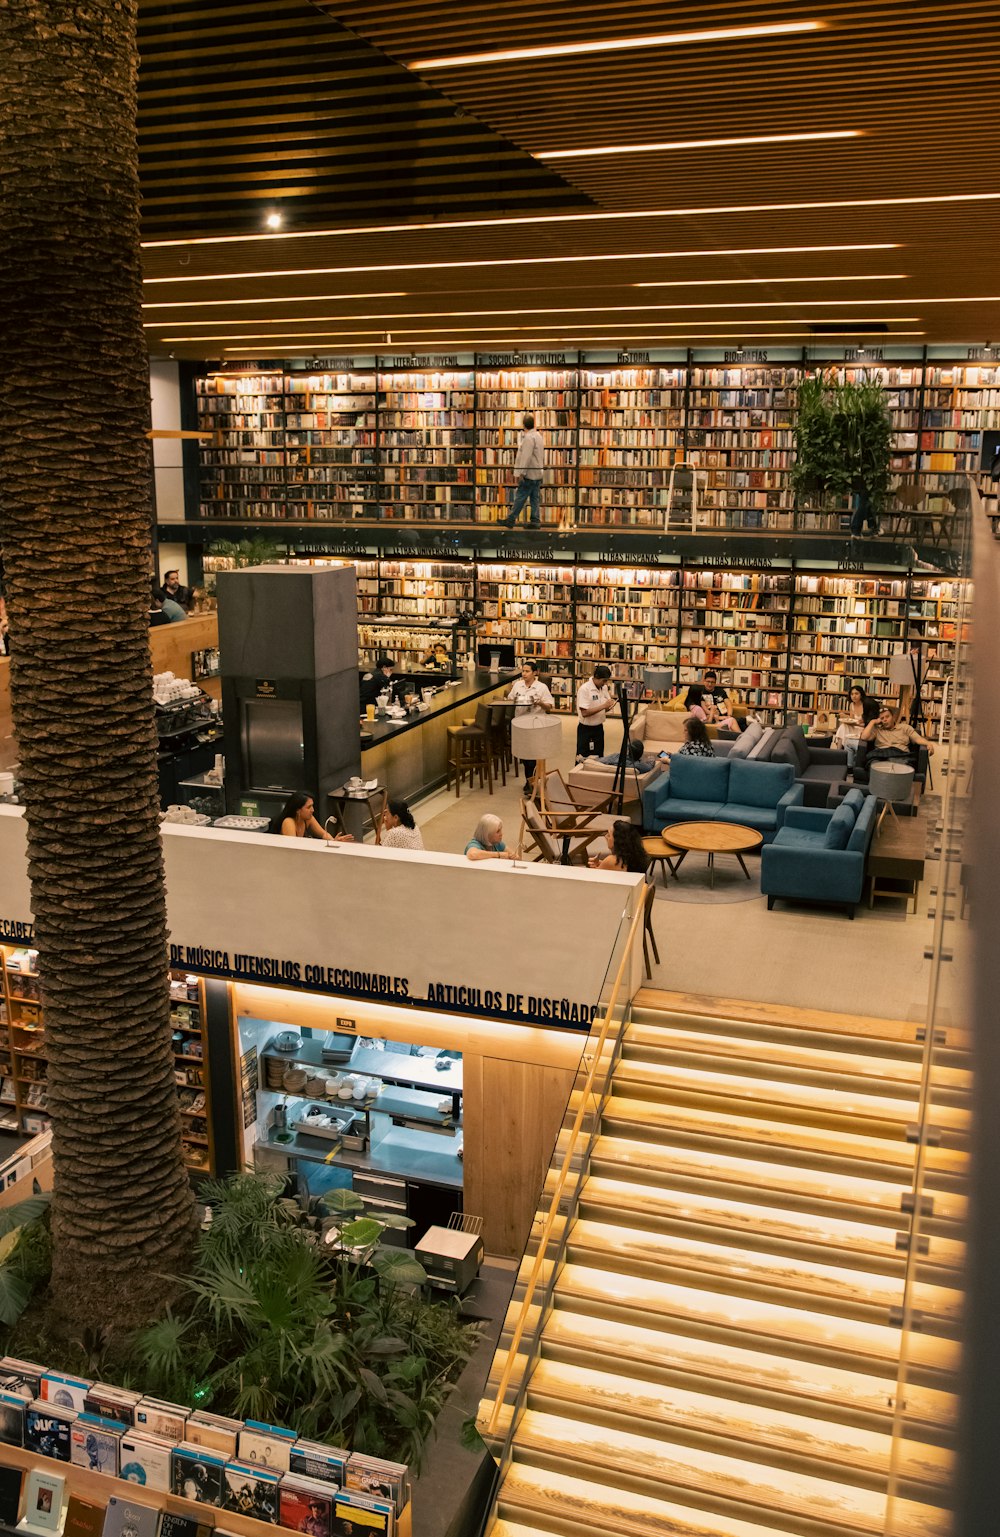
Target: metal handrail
550,1220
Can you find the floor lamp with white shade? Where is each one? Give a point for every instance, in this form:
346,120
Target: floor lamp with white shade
536,737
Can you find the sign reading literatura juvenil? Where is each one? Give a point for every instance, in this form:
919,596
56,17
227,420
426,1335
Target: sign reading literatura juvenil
312,916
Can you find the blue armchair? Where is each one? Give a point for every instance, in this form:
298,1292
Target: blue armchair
820,856
757,795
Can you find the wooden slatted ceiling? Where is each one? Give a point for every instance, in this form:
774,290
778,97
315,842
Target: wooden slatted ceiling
918,80
247,107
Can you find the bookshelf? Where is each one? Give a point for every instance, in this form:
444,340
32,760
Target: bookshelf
737,623
626,618
502,398
740,433
190,1053
409,640
932,621
426,445
631,429
844,630
243,471
23,1063
331,453
427,589
532,606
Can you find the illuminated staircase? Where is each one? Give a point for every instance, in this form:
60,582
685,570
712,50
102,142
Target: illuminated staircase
721,1356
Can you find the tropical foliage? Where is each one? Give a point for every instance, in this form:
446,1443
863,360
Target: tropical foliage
293,1316
843,439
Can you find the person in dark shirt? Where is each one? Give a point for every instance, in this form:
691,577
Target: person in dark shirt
173,588
377,681
156,614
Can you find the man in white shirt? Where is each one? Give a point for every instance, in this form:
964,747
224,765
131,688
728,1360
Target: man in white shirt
528,468
593,701
531,697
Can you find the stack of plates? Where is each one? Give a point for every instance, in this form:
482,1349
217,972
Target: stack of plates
295,1079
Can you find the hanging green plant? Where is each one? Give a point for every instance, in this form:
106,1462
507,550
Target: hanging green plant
843,440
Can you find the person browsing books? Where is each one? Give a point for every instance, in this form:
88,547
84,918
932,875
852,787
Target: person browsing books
593,701
530,696
528,468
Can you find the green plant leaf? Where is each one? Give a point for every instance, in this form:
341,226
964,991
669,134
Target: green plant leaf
393,1219
374,1384
388,1345
342,1200
362,1233
14,1295
400,1268
23,1213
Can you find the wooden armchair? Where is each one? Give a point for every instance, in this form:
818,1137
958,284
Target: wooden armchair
561,839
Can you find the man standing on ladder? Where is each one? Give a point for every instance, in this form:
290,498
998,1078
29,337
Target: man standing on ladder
528,468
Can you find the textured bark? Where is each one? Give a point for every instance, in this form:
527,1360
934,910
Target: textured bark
75,517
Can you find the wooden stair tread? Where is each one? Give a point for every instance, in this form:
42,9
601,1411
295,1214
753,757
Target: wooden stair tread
645,1461
821,1105
749,1320
771,1052
788,1435
758,1224
836,1392
864,1291
799,1184
684,1005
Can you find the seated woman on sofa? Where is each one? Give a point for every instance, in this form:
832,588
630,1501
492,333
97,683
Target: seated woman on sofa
625,850
696,743
701,705
861,710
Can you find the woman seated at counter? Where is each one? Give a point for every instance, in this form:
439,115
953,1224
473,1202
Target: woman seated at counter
487,840
297,819
399,830
437,656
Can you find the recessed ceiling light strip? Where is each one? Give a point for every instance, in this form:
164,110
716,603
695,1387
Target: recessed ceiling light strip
521,261
620,44
689,144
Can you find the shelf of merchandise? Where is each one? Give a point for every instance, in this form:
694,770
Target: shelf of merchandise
427,589
502,398
961,402
331,452
626,618
631,429
243,471
740,435
844,629
427,446
23,1062
190,1051
932,616
737,622
532,606
409,640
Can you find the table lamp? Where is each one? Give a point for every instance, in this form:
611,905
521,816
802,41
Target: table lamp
537,737
659,681
891,782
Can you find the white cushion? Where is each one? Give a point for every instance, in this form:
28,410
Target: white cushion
762,748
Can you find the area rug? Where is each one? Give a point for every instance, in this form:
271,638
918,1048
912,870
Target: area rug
731,885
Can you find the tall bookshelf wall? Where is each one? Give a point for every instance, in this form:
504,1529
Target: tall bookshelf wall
792,638
434,445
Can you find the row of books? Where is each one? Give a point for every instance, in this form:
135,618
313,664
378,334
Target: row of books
263,1471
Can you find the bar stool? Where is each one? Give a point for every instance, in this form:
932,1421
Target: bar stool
469,753
501,715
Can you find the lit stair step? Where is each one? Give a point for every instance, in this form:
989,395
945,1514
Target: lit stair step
782,1182
812,1146
781,1058
724,1368
780,1436
877,1115
584,1508
754,1323
782,1277
767,1227
746,1488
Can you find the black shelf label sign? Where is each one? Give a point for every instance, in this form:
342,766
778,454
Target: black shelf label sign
267,688
746,355
525,359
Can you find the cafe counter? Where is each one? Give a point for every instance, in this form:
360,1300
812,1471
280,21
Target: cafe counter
410,755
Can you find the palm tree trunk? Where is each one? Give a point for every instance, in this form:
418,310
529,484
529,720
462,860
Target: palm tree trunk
75,521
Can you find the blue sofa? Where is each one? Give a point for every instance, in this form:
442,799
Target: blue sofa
756,795
820,856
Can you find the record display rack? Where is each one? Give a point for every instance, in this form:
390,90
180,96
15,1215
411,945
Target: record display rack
23,1063
375,440
190,1053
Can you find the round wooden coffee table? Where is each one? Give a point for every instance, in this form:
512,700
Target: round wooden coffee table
712,838
661,852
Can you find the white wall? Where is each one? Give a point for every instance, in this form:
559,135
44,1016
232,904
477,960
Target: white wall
297,913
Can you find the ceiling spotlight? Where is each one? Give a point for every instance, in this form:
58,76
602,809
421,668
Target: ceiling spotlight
274,221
